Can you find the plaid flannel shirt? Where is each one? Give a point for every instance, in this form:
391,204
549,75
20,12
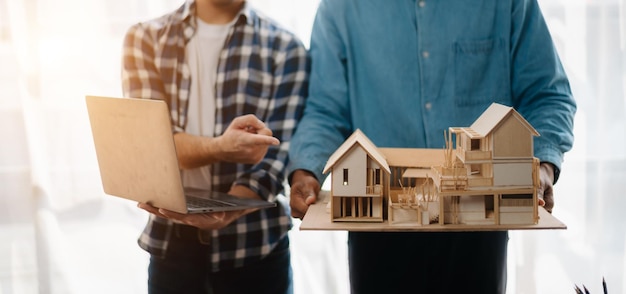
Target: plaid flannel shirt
262,70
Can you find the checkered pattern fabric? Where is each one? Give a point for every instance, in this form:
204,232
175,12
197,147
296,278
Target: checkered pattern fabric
262,70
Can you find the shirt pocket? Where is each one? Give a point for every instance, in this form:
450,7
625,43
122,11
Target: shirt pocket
481,72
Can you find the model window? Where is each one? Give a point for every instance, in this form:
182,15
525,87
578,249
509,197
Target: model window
475,144
377,177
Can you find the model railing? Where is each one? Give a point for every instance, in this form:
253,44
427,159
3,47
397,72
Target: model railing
373,190
468,156
450,178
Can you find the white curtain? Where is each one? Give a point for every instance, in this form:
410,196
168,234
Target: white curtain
589,195
60,234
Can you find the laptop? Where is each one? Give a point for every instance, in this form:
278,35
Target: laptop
137,158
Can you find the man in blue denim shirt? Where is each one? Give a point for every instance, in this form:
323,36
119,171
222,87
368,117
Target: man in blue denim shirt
404,71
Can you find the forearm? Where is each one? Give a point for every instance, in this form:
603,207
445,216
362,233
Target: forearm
540,85
326,123
195,151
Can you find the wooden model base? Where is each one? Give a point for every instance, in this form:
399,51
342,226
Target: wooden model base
317,218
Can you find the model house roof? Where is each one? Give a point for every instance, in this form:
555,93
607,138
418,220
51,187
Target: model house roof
357,138
491,118
414,157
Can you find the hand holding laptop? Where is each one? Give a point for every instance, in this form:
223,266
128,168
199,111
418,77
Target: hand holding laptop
246,140
210,220
138,159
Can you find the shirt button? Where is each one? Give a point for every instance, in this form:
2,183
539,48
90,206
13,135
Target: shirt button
428,105
425,54
422,3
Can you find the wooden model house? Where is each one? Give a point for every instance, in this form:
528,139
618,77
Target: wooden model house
357,181
486,175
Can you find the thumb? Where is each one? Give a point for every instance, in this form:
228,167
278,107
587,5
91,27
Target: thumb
310,198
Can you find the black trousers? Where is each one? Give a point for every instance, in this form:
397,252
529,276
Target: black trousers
451,262
186,269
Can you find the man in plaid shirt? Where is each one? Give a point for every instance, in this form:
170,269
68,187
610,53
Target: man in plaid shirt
235,83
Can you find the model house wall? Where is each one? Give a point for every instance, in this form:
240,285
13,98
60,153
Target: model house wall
350,178
513,174
357,181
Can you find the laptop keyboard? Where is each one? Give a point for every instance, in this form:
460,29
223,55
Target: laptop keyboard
196,202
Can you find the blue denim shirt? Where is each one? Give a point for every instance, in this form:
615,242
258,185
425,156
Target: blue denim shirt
404,71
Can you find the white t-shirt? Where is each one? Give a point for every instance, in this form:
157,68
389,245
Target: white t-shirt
202,55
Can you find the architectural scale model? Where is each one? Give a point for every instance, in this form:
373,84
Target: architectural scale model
485,175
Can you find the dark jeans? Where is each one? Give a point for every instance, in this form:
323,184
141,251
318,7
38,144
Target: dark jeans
186,269
458,262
